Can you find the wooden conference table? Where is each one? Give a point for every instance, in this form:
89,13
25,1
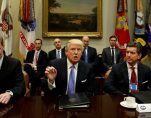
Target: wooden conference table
102,106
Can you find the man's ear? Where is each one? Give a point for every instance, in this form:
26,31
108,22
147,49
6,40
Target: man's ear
139,57
66,53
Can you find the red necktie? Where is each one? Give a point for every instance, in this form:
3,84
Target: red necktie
133,75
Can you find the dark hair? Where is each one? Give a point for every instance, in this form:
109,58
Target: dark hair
38,39
113,36
137,45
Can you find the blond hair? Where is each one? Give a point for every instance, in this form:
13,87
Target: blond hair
74,41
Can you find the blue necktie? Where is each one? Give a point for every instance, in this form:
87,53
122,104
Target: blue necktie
58,54
71,84
85,56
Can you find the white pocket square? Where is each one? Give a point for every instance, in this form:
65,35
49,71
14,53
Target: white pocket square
84,80
144,82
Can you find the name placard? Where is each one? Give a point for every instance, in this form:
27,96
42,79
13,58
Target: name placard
142,108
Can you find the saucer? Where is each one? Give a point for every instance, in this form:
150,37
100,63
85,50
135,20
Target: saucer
123,104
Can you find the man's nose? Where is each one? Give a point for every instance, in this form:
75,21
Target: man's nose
128,54
76,51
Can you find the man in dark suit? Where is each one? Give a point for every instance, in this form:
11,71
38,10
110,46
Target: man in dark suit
111,55
35,64
129,76
90,51
12,84
56,53
89,54
59,72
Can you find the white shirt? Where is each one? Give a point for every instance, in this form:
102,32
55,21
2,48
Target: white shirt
130,71
1,60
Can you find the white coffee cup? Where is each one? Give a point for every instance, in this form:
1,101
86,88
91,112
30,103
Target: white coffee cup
130,101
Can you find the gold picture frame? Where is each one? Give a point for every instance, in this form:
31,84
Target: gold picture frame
96,32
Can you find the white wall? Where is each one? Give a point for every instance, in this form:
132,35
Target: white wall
109,16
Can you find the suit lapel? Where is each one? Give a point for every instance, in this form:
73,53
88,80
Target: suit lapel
139,74
40,55
32,56
4,67
64,67
80,73
109,52
125,72
64,74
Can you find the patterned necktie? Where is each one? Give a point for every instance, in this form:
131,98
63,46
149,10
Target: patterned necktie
133,75
112,56
71,83
85,56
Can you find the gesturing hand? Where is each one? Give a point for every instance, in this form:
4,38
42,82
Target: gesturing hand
51,73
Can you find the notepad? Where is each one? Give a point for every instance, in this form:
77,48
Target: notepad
79,100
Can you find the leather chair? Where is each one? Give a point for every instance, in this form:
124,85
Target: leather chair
26,79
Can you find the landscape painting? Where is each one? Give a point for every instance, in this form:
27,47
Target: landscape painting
71,18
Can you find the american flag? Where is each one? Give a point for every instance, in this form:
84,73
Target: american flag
6,25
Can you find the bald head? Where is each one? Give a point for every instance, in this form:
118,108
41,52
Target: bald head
85,40
57,43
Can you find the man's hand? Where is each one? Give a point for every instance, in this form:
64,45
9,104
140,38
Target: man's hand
5,97
51,73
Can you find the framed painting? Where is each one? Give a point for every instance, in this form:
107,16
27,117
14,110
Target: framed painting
72,18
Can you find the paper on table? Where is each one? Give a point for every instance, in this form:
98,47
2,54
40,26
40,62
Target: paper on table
141,108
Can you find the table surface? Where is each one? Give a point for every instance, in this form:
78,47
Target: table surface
102,106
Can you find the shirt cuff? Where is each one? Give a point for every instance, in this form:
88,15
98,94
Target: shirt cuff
35,67
10,92
50,85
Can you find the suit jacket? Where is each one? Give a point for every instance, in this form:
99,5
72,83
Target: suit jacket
84,82
118,81
52,54
42,60
92,55
107,57
11,77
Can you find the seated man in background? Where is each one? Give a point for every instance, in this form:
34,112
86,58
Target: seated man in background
89,54
56,53
69,75
35,65
129,76
111,55
12,84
